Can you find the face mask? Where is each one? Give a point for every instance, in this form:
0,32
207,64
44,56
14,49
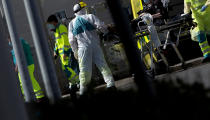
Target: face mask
51,27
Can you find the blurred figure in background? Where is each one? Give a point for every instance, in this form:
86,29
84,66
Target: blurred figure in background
63,50
157,10
30,62
201,14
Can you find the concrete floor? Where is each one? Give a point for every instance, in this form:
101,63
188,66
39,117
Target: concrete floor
194,71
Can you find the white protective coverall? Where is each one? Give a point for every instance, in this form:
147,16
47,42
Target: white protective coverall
85,41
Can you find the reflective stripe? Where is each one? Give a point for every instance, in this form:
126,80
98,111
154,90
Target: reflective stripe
62,53
38,91
206,50
207,55
60,49
72,73
67,46
63,33
74,77
207,47
39,94
204,44
58,38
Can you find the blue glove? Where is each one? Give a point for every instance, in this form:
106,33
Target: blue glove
204,8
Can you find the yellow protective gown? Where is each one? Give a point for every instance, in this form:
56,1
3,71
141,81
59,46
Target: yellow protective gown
62,47
202,20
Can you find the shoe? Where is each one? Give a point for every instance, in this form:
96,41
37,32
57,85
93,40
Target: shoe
205,60
73,91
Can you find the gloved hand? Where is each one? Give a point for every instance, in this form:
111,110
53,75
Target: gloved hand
204,8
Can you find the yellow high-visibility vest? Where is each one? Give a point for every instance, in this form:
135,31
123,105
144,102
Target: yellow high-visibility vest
62,45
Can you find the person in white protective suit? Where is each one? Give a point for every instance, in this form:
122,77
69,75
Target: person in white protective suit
85,44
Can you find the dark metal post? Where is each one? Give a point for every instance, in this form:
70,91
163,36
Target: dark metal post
19,53
126,35
11,102
42,49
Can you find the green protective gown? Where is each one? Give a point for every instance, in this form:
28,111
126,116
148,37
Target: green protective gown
30,63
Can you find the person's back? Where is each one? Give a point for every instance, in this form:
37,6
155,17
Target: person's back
30,63
85,44
200,13
61,38
84,28
27,53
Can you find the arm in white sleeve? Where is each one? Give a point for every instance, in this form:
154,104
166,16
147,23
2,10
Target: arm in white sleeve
207,2
72,39
99,24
